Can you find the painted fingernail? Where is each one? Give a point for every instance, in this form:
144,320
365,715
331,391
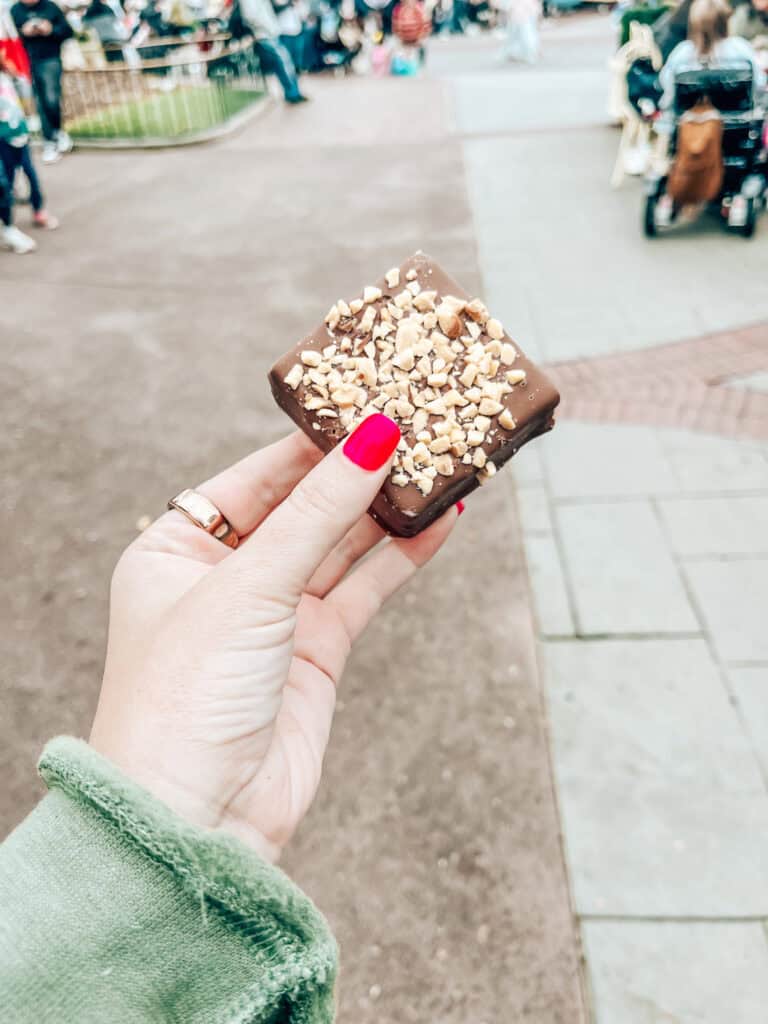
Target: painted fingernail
373,442
459,507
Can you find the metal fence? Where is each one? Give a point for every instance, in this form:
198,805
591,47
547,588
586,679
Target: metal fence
165,92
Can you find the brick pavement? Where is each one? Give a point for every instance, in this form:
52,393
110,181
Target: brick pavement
680,384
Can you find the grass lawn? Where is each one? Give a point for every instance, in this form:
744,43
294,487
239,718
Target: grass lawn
165,115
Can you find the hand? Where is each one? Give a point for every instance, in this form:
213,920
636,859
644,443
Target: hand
44,27
30,28
222,666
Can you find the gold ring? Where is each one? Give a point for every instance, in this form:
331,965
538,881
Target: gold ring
203,513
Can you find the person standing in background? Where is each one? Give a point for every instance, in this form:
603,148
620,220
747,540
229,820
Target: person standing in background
43,27
291,25
260,21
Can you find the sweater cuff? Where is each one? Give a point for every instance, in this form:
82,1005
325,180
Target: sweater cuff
293,956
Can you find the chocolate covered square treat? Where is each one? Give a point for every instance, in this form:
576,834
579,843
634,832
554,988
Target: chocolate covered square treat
417,348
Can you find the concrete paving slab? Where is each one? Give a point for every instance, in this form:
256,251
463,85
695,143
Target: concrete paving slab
580,41
534,511
533,99
554,616
527,466
716,526
513,309
677,973
733,596
665,811
704,464
585,460
750,685
622,574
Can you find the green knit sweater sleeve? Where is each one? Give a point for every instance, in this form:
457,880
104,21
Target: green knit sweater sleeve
114,909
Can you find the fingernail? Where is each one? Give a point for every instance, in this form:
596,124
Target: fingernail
373,442
459,507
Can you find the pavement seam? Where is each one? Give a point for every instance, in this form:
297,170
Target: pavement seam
714,654
560,638
675,919
570,590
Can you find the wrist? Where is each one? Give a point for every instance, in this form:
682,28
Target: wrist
182,799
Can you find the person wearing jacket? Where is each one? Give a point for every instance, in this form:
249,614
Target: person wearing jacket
43,27
143,887
261,22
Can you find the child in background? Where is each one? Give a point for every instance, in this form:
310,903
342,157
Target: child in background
15,153
410,25
522,30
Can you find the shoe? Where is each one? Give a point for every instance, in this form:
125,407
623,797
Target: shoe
51,154
17,241
636,160
43,219
64,142
298,98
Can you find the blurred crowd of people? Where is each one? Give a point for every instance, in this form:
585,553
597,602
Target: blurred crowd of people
39,39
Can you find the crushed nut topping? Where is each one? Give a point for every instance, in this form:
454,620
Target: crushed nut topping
436,364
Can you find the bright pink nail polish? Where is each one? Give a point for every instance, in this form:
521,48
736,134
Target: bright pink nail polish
459,507
373,442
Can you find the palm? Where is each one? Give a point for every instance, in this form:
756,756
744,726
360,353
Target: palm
270,777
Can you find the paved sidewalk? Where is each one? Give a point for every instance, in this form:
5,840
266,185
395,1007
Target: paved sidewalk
141,334
644,518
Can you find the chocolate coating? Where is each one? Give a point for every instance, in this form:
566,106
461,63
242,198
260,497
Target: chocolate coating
406,511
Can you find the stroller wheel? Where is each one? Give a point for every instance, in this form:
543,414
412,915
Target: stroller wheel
750,223
649,217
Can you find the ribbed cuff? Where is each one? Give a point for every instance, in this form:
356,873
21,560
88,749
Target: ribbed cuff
256,901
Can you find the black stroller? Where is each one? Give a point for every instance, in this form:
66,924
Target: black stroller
743,192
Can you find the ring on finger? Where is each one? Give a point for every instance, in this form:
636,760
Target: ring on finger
202,512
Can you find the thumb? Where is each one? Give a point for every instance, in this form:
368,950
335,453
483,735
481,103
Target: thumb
294,539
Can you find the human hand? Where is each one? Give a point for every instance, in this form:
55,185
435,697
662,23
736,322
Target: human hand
44,27
220,679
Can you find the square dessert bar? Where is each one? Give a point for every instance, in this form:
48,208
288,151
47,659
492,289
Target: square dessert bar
416,347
